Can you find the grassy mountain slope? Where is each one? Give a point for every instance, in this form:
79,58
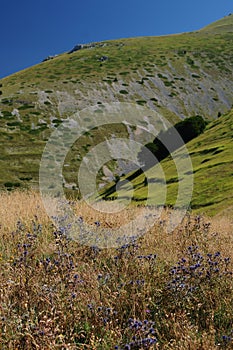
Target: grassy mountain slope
211,155
223,25
178,76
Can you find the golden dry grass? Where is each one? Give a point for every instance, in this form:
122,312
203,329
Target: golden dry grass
27,205
44,291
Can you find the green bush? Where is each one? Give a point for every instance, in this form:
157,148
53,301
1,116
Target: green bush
190,61
26,106
188,129
191,127
11,185
124,92
6,113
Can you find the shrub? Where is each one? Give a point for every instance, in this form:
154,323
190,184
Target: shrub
190,61
141,102
10,185
181,52
188,129
26,106
6,113
191,127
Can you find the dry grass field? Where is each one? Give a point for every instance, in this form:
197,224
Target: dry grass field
159,291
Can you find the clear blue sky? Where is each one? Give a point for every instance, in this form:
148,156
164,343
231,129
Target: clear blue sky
33,29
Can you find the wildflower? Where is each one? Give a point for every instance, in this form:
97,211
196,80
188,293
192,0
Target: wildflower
226,338
80,219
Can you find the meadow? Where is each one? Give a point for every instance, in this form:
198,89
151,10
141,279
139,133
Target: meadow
159,291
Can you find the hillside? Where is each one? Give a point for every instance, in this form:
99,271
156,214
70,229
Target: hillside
212,160
177,75
221,26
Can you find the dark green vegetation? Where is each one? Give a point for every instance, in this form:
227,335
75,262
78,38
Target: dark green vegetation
188,129
177,75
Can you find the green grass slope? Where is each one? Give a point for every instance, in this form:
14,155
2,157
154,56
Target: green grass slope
212,159
178,76
223,25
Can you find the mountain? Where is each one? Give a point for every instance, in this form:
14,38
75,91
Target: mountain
176,75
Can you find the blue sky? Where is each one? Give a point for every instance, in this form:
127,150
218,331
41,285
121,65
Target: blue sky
34,29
